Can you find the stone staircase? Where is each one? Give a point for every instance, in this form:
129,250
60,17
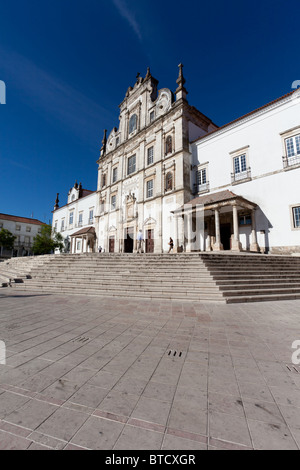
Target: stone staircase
16,270
254,277
218,277
181,276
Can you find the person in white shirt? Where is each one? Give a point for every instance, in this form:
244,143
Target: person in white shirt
140,240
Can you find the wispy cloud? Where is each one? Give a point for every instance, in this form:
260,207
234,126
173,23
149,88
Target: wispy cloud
52,97
125,11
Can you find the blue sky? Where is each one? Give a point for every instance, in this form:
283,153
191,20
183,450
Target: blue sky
68,63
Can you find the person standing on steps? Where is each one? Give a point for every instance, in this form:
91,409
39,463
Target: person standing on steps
140,240
171,245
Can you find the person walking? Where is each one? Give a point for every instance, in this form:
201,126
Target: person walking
171,245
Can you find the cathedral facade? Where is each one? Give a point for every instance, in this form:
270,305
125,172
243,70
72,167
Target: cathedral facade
144,171
168,172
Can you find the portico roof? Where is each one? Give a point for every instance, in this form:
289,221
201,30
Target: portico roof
84,231
217,200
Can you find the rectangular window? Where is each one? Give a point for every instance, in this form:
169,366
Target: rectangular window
293,146
55,226
115,174
1,224
117,141
202,184
131,164
62,228
71,218
201,177
103,180
150,156
28,229
18,227
80,219
149,188
27,240
240,164
290,149
152,116
296,217
113,202
78,246
245,219
91,216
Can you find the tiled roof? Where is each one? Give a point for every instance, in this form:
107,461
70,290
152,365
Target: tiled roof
245,115
25,220
85,193
84,231
212,198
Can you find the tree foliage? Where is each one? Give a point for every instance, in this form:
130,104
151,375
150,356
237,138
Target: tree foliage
45,243
7,239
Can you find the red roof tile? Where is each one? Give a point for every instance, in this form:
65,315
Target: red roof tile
245,115
83,231
25,220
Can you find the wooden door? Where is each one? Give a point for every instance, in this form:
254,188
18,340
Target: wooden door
111,244
150,241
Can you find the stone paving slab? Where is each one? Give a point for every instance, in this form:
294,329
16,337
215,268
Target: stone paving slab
99,373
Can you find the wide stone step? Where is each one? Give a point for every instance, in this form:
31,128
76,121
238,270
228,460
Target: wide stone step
260,291
123,281
118,286
255,275
262,298
225,283
185,295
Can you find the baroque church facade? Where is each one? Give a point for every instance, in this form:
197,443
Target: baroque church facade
169,171
145,166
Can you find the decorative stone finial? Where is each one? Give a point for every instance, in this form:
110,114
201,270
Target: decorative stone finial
104,141
181,91
148,74
56,206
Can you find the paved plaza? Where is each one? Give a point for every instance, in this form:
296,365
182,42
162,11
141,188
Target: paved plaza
99,373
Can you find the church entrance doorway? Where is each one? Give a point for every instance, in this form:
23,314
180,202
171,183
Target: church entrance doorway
128,240
111,247
150,241
225,231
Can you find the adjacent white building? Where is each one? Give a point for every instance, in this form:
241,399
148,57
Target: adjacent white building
75,220
24,229
257,158
169,171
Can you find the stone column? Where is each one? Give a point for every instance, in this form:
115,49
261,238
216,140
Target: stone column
175,238
236,244
208,244
218,245
135,231
254,245
188,225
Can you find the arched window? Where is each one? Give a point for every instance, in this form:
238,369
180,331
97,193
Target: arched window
132,123
169,181
168,144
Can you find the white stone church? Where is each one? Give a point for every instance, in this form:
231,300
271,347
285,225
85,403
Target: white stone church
169,171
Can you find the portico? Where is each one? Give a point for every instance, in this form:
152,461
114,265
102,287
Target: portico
83,241
212,223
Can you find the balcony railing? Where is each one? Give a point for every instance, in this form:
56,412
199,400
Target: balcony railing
291,161
201,188
241,176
